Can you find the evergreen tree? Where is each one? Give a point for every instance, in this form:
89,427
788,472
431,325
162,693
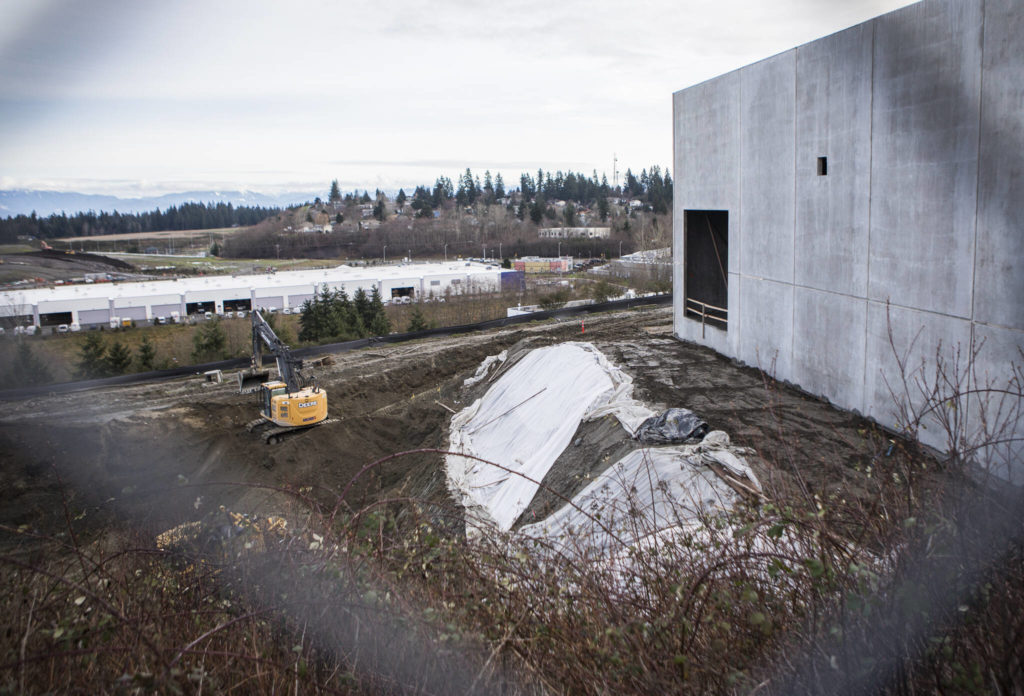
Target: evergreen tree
92,357
569,215
602,208
345,323
537,211
401,198
379,211
146,354
499,186
26,369
335,195
365,198
119,358
209,342
310,320
417,322
361,303
488,188
379,324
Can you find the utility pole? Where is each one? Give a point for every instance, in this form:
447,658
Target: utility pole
615,170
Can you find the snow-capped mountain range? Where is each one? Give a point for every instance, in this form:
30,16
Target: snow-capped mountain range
23,201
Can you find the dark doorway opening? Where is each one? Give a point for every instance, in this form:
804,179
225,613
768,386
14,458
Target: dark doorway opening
55,318
706,283
235,305
200,307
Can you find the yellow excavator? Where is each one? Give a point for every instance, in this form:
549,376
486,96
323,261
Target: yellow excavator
288,404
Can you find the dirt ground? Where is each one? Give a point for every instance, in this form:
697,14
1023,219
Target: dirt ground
52,265
162,454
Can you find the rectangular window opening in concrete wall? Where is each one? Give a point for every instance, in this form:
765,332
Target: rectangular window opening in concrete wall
706,283
822,166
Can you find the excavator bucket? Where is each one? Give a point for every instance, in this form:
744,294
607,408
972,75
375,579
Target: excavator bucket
249,380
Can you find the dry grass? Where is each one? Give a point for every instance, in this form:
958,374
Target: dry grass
392,598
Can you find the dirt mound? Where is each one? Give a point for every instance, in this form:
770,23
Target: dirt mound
78,258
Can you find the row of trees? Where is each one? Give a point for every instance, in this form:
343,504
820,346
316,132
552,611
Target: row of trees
188,216
96,359
331,316
651,186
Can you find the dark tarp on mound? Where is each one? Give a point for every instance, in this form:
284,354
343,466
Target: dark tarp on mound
671,427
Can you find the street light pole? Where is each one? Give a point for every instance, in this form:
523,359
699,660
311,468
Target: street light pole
620,248
446,253
385,253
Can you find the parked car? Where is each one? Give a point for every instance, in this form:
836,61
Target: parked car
63,328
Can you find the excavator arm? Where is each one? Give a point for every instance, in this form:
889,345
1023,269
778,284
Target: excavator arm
288,366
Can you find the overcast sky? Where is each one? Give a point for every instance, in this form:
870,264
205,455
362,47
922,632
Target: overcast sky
147,97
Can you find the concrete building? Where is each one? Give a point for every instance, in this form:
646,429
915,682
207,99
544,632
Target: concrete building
99,303
869,181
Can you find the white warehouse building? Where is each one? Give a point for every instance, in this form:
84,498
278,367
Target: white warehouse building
101,303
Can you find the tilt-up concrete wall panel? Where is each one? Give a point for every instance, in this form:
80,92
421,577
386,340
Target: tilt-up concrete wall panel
917,339
707,117
767,94
833,118
766,313
924,158
828,340
999,266
1000,366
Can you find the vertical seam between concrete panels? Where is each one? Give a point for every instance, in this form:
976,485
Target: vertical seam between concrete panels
871,180
977,197
737,342
977,166
792,279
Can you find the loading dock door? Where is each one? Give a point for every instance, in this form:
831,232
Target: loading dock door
706,280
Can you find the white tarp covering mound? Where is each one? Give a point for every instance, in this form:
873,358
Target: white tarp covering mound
644,494
526,419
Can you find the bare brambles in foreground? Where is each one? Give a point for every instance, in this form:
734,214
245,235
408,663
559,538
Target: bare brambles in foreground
916,591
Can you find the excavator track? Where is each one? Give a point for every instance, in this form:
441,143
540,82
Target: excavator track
277,433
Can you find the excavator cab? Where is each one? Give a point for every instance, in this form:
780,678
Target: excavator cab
268,390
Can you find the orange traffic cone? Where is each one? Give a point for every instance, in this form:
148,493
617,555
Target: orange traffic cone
583,325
